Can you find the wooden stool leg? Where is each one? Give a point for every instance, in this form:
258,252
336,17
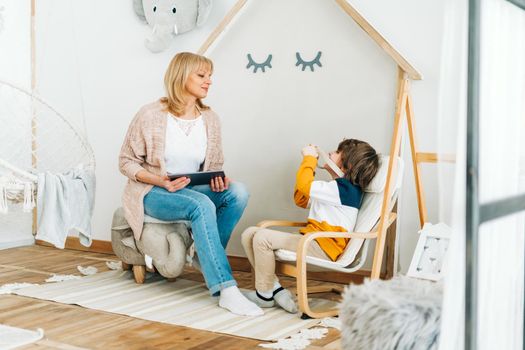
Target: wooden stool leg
125,266
139,272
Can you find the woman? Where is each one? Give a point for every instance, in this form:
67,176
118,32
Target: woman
179,134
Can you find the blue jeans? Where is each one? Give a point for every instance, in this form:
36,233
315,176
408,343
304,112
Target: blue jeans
213,216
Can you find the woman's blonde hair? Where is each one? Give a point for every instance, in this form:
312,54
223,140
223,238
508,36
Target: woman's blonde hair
179,69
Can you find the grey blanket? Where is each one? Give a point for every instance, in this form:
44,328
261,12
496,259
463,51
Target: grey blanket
65,206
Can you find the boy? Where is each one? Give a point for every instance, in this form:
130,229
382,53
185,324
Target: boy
333,207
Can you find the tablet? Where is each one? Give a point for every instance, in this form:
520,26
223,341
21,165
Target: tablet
201,178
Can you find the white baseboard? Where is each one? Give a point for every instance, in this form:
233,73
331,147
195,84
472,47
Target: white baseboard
25,241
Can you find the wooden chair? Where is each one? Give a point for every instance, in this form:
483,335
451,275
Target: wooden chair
373,220
294,263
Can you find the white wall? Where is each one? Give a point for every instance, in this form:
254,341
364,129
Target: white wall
415,29
91,55
15,228
269,116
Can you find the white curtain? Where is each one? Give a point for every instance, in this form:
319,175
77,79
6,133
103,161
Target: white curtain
502,148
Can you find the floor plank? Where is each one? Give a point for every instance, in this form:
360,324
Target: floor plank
71,327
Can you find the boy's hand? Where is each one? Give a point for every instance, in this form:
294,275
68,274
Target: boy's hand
310,150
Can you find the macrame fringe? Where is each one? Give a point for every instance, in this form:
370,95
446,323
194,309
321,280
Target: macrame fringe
29,197
15,190
3,199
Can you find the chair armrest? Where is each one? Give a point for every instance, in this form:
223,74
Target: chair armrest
281,223
302,247
330,234
286,223
307,238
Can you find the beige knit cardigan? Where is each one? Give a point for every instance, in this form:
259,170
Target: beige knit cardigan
143,149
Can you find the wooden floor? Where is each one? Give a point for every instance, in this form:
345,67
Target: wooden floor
71,327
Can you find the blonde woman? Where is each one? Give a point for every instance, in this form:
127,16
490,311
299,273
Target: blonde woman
180,134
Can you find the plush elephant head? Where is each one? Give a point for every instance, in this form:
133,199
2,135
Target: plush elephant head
165,243
170,17
123,242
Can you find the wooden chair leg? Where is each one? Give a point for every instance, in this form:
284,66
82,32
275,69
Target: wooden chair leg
338,289
139,273
125,266
302,296
325,289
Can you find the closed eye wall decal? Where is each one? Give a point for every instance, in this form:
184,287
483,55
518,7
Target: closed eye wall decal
256,66
309,64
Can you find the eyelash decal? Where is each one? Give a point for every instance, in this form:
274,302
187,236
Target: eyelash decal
256,66
309,64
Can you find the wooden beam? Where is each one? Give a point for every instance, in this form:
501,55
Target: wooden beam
380,40
422,206
221,27
389,265
351,11
392,168
422,157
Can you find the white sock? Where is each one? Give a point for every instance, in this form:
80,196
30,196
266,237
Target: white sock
254,296
276,285
267,294
232,300
283,298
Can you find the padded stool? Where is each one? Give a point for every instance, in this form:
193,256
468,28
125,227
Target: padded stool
165,242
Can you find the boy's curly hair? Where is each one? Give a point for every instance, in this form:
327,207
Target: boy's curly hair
360,161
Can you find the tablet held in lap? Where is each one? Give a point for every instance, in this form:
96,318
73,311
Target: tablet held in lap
200,178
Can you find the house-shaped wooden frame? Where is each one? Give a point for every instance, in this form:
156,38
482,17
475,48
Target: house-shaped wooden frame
384,246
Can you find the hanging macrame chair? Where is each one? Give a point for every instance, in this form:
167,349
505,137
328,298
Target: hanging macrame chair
34,138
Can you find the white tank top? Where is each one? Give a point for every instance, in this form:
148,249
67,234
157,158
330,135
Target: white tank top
186,143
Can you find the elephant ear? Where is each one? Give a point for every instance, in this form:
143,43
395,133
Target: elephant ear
129,242
204,9
139,10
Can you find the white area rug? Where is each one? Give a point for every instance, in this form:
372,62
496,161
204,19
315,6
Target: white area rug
12,337
183,303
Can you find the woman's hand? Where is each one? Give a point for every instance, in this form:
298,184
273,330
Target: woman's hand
175,185
310,150
219,185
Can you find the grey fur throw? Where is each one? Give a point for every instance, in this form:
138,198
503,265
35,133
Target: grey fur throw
401,313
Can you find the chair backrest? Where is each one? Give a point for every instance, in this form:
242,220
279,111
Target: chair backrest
370,211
